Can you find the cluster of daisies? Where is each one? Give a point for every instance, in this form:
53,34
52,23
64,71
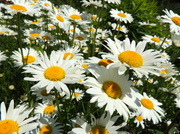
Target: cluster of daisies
71,73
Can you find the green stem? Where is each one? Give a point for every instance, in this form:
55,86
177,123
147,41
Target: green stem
57,102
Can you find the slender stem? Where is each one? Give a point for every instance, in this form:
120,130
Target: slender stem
57,102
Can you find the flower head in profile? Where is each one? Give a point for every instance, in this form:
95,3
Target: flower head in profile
110,90
93,3
121,16
173,20
21,6
114,1
2,56
16,120
102,125
126,54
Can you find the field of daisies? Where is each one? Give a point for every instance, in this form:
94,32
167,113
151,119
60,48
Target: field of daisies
89,67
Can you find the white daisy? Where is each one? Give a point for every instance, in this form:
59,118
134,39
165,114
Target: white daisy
114,1
152,39
103,125
93,3
34,33
121,16
177,102
175,39
16,120
53,72
173,19
117,27
110,90
3,57
22,6
46,5
149,108
77,94
139,121
127,55
28,56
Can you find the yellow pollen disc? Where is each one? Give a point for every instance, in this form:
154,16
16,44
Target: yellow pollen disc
76,94
51,26
68,54
46,37
1,32
147,103
54,73
34,34
72,30
112,89
155,39
93,17
34,22
91,29
176,20
131,58
46,129
18,8
8,127
121,15
75,17
79,38
105,62
163,72
49,110
46,4
178,88
29,59
84,66
119,28
98,130
44,92
139,118
61,19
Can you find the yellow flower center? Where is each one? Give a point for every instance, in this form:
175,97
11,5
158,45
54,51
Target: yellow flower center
98,130
112,89
29,59
75,17
93,17
139,118
131,58
18,8
34,34
76,95
176,20
147,103
91,29
46,4
119,28
121,15
44,92
59,18
51,26
163,72
105,62
54,73
155,39
8,127
71,55
34,22
79,38
49,110
178,88
84,66
46,129
46,37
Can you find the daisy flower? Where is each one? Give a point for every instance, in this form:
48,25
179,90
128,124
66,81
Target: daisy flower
173,20
175,39
149,108
177,102
121,16
103,125
34,33
2,56
30,56
93,3
114,1
126,54
147,24
53,72
16,119
48,126
41,94
77,94
110,90
46,109
46,5
117,27
21,6
152,39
